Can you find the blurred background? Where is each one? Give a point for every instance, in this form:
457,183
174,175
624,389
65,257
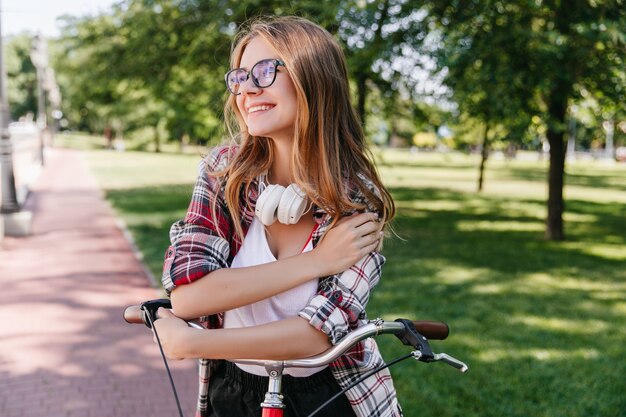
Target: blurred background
475,76
451,74
499,126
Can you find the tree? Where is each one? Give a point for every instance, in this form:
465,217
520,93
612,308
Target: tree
379,37
20,70
148,62
554,50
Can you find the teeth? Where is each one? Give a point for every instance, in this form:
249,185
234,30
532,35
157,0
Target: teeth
259,108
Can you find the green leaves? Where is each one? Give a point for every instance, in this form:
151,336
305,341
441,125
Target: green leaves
177,51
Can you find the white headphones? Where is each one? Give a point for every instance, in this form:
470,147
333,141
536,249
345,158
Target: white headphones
279,203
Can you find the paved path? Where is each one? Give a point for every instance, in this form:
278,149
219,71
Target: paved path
64,348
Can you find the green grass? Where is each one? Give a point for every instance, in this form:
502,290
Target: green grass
541,324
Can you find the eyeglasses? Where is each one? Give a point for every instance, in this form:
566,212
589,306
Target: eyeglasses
263,75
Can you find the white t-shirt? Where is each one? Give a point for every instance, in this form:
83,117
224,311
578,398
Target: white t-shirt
256,251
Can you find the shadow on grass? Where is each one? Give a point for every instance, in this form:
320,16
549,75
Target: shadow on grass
458,166
156,199
612,181
529,316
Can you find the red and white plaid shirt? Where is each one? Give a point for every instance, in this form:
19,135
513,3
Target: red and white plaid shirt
339,306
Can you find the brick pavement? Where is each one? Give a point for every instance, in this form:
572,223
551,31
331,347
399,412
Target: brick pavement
64,348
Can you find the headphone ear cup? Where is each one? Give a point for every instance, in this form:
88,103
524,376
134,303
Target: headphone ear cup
267,204
292,205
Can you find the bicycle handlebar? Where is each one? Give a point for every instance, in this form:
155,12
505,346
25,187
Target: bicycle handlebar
133,315
432,330
414,333
328,356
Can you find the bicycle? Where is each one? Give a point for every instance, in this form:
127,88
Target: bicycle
411,333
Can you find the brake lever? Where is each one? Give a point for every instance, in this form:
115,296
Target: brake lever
411,337
149,310
423,352
454,362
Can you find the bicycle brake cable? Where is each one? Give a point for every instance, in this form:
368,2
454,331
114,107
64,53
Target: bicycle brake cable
167,368
358,381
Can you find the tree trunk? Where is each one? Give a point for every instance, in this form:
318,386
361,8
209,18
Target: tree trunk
157,139
556,137
184,142
393,132
364,73
484,153
362,95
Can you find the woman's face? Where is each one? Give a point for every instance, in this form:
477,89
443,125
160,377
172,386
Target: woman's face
270,111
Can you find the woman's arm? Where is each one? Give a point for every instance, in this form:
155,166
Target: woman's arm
339,307
284,339
227,288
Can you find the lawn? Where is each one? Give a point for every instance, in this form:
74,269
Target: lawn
541,324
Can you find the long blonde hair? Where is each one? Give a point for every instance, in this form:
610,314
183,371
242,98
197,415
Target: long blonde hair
329,148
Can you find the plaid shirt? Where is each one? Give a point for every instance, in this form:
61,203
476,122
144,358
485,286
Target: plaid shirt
339,306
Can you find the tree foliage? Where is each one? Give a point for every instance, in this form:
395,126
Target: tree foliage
508,61
168,56
176,51
22,90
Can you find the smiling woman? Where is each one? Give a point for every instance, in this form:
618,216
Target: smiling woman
280,244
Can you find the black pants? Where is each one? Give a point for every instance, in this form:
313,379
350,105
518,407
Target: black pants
236,393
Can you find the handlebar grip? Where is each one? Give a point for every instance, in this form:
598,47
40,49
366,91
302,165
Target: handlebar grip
432,330
133,315
146,312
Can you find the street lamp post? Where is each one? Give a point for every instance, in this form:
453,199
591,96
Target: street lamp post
9,203
54,97
13,220
39,58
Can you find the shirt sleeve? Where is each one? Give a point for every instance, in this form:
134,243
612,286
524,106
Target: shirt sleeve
199,242
340,304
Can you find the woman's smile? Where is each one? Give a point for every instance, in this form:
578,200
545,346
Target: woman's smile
256,108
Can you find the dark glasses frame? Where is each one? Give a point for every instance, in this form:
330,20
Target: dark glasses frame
250,74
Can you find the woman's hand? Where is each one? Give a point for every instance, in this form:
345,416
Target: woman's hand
348,241
172,333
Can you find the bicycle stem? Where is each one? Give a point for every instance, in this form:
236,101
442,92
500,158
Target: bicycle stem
273,405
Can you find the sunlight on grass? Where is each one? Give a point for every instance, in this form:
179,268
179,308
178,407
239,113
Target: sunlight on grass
578,326
454,275
490,289
409,315
125,170
468,226
497,355
559,282
608,296
607,251
619,308
579,217
430,205
594,194
585,180
150,219
517,189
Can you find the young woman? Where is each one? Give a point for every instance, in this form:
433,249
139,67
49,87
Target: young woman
280,243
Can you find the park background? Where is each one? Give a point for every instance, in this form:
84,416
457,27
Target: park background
497,126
